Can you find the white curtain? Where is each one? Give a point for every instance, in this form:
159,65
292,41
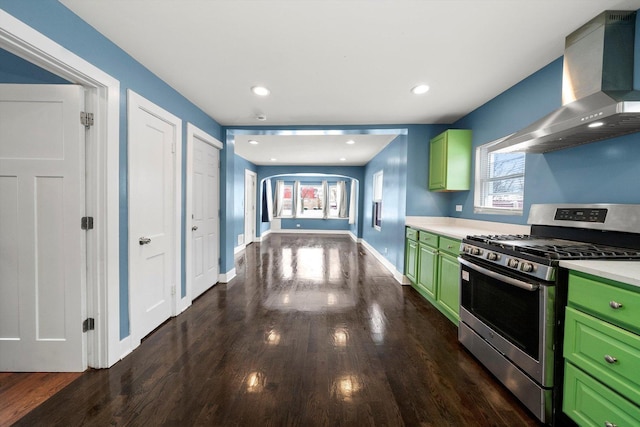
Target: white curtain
341,195
297,200
268,199
325,200
278,198
352,202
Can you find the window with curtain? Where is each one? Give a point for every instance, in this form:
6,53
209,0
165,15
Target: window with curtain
499,183
307,200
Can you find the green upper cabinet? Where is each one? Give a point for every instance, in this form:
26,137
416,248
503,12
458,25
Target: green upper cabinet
450,161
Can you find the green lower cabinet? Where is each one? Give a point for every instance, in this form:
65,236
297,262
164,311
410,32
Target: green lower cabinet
589,403
411,260
449,286
432,266
602,352
427,269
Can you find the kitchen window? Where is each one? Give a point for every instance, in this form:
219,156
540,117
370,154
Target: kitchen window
499,184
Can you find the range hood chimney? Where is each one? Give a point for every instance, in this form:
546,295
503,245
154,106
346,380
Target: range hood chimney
598,98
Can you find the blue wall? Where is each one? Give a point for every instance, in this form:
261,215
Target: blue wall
599,172
58,23
389,240
238,212
14,69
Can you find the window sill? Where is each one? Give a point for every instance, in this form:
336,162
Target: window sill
497,211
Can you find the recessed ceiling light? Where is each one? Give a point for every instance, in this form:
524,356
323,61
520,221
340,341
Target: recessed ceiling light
261,117
420,89
342,159
596,124
273,159
260,90
253,142
351,142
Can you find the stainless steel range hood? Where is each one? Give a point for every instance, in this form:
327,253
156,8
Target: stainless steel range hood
598,98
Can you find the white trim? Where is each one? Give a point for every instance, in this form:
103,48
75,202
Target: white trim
228,276
354,237
385,262
136,101
194,132
308,231
103,292
125,347
239,249
247,226
263,236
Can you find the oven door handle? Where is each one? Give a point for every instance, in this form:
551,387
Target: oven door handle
510,280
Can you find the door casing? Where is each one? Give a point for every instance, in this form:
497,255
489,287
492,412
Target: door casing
102,180
193,133
250,196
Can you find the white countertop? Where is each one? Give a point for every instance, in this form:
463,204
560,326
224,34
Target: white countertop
621,270
459,228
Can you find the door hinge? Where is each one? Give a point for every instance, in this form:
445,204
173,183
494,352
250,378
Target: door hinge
86,119
173,290
219,262
89,324
86,223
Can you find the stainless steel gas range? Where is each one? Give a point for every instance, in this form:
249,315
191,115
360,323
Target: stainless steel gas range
513,293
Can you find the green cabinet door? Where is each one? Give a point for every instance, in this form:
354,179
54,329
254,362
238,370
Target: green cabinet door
438,162
450,161
449,286
427,269
411,260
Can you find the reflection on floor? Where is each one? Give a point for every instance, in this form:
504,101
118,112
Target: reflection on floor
313,331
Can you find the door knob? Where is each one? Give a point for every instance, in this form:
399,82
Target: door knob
144,241
194,228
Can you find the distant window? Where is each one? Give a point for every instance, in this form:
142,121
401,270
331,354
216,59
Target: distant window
377,200
333,201
287,200
499,185
312,200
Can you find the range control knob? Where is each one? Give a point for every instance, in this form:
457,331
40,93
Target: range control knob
492,256
476,251
527,267
513,263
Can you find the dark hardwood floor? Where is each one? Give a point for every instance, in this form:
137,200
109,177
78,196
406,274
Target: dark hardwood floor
313,331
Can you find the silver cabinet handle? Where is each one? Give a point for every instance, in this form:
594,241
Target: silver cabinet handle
610,359
615,305
144,241
608,424
194,228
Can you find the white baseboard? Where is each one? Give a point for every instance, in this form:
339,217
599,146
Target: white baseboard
239,248
125,347
354,237
263,236
392,268
226,277
307,231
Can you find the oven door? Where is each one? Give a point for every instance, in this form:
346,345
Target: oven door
513,314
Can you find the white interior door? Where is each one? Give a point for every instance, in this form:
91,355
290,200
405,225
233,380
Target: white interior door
250,179
153,256
205,222
42,248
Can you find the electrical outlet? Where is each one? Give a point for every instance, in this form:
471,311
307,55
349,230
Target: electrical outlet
458,208
297,225
386,250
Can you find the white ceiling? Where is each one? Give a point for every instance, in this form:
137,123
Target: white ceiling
337,62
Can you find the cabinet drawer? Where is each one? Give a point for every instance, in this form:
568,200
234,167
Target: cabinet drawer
596,296
589,403
411,234
428,238
451,246
589,342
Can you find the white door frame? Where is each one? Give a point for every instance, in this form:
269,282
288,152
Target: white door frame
102,168
250,197
136,101
194,133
